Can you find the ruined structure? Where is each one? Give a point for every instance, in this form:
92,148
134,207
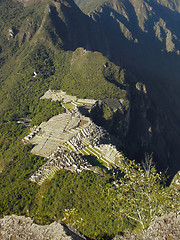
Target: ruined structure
66,138
60,159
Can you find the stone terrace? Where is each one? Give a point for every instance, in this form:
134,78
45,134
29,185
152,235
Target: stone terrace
55,132
60,159
64,146
65,138
68,155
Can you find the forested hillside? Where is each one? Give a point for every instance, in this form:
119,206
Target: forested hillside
125,55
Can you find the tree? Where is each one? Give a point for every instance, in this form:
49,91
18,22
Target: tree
142,194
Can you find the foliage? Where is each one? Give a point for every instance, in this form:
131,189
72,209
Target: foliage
107,112
88,6
30,50
88,77
22,91
90,201
17,193
45,110
71,216
40,61
10,136
85,199
142,195
30,18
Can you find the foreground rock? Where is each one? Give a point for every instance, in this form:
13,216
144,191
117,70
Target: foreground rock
21,228
163,228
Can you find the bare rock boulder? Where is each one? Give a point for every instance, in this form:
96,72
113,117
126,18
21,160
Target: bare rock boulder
22,228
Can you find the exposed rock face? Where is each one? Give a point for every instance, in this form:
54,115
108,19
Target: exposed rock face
21,228
166,227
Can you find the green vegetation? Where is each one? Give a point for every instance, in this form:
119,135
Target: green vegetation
75,73
87,193
23,25
22,90
69,105
142,193
28,44
17,192
45,110
10,138
90,78
87,200
88,6
107,113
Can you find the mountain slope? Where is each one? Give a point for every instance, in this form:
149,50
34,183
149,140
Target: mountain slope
139,35
124,58
37,52
143,36
88,6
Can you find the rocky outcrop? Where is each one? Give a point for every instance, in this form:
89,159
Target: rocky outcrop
21,228
166,227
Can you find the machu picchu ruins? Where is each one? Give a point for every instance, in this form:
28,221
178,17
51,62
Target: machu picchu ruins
60,159
67,138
